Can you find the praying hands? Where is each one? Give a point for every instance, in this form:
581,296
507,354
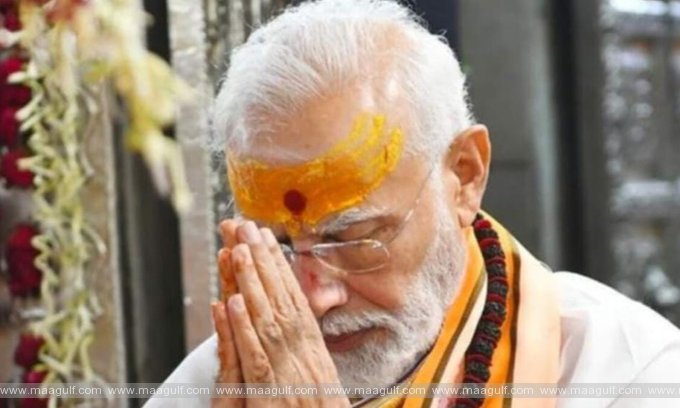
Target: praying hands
267,333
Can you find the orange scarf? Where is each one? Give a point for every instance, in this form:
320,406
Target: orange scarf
531,328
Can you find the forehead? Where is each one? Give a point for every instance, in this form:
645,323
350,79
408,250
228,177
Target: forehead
327,158
390,199
305,193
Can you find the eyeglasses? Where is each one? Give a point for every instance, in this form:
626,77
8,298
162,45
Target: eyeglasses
355,256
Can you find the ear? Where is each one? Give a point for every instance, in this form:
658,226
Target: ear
467,171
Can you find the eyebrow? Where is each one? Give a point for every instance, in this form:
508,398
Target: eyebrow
339,223
349,217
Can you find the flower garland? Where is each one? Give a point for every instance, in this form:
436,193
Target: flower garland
74,47
24,278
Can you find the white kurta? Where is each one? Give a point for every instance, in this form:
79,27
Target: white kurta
606,338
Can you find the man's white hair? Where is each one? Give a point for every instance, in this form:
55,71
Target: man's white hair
320,48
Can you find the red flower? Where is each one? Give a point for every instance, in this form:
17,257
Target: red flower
24,276
33,377
33,403
9,168
15,95
21,238
11,20
12,94
9,66
9,127
26,353
5,4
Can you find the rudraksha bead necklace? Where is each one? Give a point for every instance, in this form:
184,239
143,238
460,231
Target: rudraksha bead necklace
479,354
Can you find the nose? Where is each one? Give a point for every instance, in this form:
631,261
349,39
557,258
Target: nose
323,290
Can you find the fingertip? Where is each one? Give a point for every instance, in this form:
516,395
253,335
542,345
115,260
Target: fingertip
237,303
218,311
223,256
222,228
240,256
269,238
228,229
248,233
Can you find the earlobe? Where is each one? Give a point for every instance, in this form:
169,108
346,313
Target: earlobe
469,158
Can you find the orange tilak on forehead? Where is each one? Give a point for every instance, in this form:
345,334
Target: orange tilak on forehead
304,194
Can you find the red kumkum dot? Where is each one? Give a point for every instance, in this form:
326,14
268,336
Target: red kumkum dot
295,201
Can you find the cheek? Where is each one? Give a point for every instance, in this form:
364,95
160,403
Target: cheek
388,288
385,289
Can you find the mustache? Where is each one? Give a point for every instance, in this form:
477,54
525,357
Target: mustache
338,322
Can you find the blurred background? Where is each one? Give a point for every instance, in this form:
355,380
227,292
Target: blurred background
582,100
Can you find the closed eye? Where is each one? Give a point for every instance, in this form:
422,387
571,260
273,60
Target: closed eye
284,240
333,239
374,233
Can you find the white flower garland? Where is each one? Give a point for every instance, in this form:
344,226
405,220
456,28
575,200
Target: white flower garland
73,48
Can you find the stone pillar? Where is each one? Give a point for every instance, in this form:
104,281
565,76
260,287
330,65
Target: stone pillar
506,55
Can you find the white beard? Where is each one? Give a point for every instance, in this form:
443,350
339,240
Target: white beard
414,327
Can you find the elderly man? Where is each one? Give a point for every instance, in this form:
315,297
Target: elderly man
361,255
